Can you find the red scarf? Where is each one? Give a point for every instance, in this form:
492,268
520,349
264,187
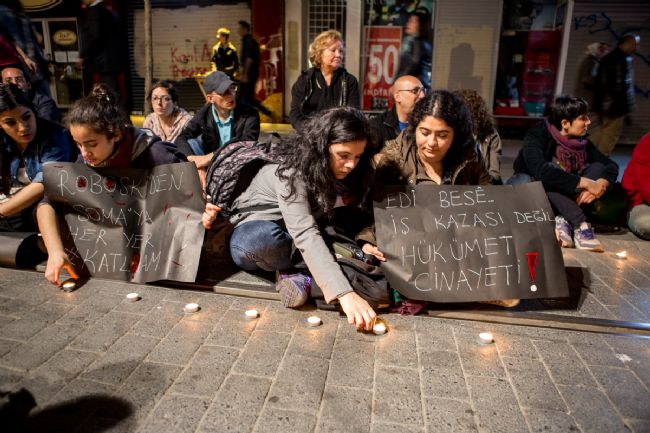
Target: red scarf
571,153
121,157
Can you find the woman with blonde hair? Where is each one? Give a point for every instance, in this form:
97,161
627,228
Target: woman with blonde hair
326,84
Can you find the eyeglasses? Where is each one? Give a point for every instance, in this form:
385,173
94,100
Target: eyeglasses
416,90
161,99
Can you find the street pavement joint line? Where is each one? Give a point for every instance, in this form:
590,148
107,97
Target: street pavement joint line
477,421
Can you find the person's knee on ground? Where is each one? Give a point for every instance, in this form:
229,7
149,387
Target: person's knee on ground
261,245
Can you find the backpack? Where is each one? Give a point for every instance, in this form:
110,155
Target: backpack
232,169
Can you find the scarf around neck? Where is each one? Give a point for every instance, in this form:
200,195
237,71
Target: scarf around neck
571,153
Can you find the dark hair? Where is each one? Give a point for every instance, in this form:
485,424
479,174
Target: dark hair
99,111
11,97
628,37
245,24
167,85
305,156
566,108
481,117
451,108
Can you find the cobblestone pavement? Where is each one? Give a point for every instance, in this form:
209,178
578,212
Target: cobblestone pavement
89,361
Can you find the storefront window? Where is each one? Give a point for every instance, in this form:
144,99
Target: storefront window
397,40
529,51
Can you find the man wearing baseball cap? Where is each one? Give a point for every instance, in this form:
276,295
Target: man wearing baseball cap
221,121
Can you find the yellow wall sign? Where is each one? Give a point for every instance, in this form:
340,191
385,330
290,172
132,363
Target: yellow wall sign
64,37
39,5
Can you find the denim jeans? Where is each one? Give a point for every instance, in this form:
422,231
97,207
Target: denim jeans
264,245
638,220
196,144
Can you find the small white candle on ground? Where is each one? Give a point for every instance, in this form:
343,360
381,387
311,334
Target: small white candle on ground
313,321
533,288
69,285
191,308
379,328
251,314
486,338
621,255
132,297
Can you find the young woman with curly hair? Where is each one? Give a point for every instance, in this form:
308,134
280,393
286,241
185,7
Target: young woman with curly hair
485,132
438,148
325,165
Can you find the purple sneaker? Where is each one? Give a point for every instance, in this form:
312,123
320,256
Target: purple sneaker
294,288
564,232
585,239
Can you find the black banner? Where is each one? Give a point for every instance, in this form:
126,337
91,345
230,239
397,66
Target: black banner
129,224
470,243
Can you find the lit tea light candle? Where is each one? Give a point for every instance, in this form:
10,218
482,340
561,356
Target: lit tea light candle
191,308
486,338
251,314
621,255
313,321
379,328
69,285
132,297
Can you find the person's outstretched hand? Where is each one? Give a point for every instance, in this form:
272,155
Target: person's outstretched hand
359,312
209,215
373,250
55,263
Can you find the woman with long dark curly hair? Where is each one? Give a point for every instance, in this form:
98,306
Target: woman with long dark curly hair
485,132
325,165
437,147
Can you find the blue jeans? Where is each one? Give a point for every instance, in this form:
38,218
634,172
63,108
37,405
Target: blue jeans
196,144
264,245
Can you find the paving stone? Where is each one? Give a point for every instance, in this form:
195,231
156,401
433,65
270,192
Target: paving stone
345,409
150,298
277,318
206,371
177,414
498,420
41,347
394,428
638,425
548,421
514,346
262,354
591,307
316,342
398,346
445,415
625,390
478,359
433,336
490,392
107,330
275,420
352,364
4,320
299,383
442,375
55,373
233,330
565,366
9,378
7,346
593,350
14,307
533,385
237,405
82,316
119,361
160,320
181,343
591,409
397,395
33,321
142,389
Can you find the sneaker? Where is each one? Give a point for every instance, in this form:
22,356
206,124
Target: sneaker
584,238
293,288
564,232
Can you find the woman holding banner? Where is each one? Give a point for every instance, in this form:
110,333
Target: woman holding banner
105,139
27,142
438,147
323,167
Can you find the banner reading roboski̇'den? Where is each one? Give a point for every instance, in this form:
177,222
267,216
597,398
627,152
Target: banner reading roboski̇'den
129,224
470,243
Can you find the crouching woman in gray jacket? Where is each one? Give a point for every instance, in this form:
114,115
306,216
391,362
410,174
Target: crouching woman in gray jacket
324,166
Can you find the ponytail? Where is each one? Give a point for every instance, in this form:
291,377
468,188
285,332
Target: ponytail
99,111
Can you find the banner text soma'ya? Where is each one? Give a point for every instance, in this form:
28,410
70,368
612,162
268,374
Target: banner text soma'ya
470,243
129,224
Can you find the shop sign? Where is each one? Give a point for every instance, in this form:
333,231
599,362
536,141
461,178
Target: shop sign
381,63
39,5
64,37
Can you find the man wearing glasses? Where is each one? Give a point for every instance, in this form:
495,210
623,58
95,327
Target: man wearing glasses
45,106
406,91
221,121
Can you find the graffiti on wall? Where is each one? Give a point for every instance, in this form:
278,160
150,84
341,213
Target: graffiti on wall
186,63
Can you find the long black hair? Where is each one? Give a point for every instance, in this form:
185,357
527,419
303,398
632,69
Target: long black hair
305,156
451,108
99,111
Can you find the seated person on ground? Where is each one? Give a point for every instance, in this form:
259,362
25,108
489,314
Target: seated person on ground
437,148
167,119
26,143
485,132
221,121
574,173
44,105
324,166
636,182
105,139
